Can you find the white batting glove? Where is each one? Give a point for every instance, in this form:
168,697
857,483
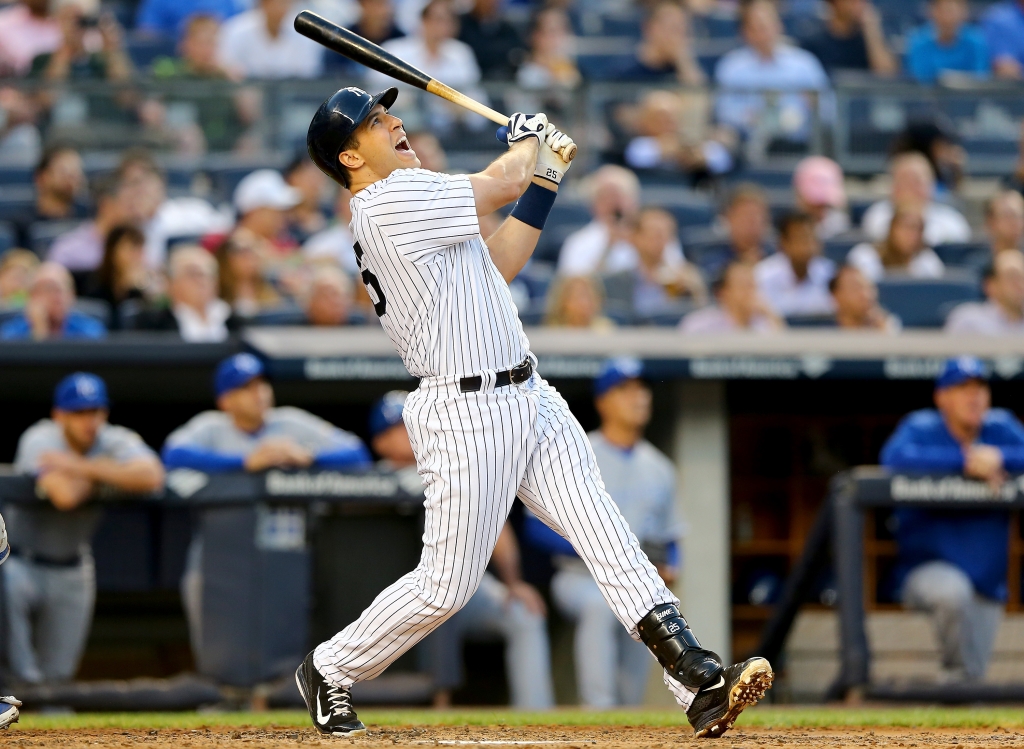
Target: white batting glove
522,126
550,164
5,550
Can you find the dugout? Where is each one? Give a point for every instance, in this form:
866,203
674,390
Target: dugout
757,425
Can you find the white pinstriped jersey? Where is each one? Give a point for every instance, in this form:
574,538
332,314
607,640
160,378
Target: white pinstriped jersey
441,300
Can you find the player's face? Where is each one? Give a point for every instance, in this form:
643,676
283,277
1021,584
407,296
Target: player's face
383,146
628,404
964,406
81,427
249,403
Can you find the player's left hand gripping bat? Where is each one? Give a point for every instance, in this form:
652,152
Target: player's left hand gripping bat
365,52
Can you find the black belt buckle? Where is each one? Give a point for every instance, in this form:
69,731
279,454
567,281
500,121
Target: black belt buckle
521,373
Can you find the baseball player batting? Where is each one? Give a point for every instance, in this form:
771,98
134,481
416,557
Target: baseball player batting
484,426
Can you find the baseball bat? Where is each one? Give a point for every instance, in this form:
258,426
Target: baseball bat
365,52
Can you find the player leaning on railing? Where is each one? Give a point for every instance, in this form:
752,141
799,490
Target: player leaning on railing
485,428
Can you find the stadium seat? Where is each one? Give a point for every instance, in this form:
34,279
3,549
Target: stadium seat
16,175
598,67
143,49
921,303
15,200
43,233
972,255
837,248
711,256
287,315
7,238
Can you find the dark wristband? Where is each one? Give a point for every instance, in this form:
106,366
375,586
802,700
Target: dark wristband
534,206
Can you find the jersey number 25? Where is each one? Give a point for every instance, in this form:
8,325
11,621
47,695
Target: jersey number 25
380,304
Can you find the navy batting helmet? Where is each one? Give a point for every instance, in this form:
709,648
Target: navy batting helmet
336,120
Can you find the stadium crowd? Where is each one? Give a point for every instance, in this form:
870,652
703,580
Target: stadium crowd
131,246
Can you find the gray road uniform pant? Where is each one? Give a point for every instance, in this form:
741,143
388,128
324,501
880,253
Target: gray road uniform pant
49,612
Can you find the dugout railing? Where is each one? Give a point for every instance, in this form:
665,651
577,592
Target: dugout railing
838,534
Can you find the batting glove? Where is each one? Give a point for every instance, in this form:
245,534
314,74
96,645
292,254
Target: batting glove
550,164
522,126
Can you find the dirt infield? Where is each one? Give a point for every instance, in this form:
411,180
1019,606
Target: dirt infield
569,737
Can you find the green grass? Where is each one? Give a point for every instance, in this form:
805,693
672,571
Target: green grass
766,716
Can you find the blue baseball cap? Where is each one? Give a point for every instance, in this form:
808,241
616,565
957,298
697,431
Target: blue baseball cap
81,391
387,412
960,370
235,372
614,372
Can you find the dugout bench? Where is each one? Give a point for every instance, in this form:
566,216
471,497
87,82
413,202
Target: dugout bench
839,533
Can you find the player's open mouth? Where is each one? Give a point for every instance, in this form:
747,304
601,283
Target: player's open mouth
403,145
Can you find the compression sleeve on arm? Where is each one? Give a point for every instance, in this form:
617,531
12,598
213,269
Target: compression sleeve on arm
201,459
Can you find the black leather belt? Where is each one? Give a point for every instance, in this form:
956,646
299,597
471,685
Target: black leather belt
45,561
502,379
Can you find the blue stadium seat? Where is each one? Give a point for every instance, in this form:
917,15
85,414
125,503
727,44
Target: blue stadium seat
15,201
763,176
94,308
286,315
837,248
693,213
711,257
602,67
16,175
6,236
972,255
922,303
143,49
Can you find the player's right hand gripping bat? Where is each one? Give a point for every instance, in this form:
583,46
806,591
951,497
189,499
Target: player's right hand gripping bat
365,52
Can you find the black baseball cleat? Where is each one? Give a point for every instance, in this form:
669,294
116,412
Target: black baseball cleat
329,706
716,706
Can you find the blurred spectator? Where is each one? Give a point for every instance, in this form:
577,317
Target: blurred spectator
902,252
953,564
16,269
195,311
376,22
576,302
856,302
49,580
852,38
1003,312
913,183
169,18
1003,24
77,57
164,219
509,607
661,143
551,61
947,44
49,312
27,29
602,246
197,52
81,249
434,50
936,137
20,139
429,150
819,191
242,282
1004,221
661,277
59,181
794,281
263,200
666,49
767,63
307,218
612,668
333,245
263,43
122,274
329,300
495,42
747,222
248,433
740,306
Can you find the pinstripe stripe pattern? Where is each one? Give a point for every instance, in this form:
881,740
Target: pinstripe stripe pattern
450,314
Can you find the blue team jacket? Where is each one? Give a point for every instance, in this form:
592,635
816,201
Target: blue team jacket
975,541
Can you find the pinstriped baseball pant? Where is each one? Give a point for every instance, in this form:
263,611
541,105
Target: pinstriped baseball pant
476,452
